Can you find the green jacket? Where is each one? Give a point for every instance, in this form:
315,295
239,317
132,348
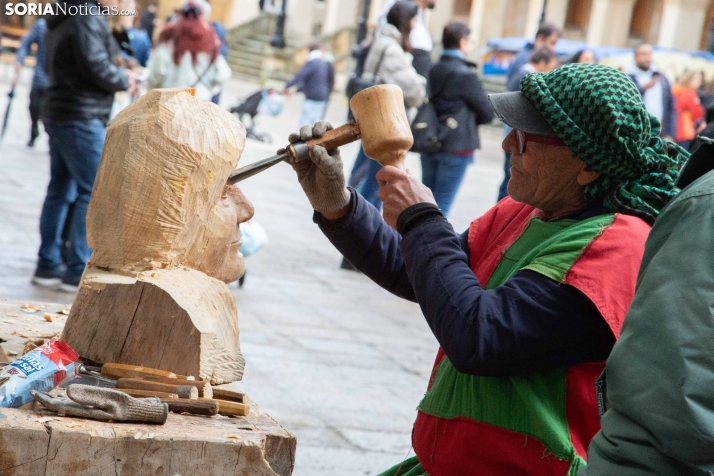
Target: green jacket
660,375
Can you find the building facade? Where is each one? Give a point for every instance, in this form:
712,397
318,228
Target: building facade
681,24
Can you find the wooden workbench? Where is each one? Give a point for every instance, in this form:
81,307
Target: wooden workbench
41,443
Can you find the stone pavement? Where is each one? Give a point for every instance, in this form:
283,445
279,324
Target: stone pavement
330,355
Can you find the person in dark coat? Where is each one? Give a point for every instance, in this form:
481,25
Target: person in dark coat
461,104
148,20
315,80
39,78
83,79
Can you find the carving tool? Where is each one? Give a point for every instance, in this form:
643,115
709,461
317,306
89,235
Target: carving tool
298,151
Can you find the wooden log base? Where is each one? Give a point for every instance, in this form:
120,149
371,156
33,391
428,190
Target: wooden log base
45,444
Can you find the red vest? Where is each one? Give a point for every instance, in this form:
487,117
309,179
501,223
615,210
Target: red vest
541,423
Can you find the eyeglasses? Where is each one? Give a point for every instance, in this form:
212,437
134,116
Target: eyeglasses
523,137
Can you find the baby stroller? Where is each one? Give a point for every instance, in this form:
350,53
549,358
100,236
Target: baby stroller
265,101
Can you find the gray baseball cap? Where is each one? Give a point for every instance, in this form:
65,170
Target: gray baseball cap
515,110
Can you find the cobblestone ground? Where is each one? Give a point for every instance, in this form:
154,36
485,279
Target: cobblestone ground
333,357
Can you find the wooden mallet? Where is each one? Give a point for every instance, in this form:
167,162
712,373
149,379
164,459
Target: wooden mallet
380,121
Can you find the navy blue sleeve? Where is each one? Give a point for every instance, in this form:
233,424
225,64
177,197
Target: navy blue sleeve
302,75
531,323
370,245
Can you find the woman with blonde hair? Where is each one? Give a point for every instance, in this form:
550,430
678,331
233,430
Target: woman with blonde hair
187,56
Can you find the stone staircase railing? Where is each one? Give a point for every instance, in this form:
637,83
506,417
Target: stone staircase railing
250,55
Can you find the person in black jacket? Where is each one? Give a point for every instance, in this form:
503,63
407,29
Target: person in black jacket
83,79
461,104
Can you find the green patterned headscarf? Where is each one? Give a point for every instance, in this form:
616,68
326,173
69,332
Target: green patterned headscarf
598,112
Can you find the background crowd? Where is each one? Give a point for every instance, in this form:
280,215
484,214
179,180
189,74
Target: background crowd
89,68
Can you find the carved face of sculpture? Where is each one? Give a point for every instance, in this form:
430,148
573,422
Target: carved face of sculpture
222,260
160,199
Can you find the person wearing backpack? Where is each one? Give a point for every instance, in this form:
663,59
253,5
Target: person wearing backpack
460,103
389,62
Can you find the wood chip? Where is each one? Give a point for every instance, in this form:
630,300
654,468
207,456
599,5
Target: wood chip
49,317
7,321
12,314
31,344
64,311
11,352
46,419
234,437
143,435
30,308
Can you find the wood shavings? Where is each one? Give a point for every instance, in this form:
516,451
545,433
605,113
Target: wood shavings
143,435
8,321
64,311
46,419
32,344
30,308
234,437
12,314
11,352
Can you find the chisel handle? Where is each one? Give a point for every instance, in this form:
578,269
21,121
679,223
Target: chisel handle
332,139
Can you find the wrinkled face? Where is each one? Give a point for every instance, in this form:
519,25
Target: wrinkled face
220,257
544,176
643,57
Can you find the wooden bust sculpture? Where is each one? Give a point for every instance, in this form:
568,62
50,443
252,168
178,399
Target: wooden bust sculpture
163,226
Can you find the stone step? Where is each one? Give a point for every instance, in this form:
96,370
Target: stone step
239,68
244,62
251,43
246,55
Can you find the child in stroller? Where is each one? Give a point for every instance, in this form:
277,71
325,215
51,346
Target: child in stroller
265,101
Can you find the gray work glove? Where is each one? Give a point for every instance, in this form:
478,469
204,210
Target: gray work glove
96,403
321,177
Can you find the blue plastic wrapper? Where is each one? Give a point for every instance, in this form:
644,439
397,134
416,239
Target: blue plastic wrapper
41,369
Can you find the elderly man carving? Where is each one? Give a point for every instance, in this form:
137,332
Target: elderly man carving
528,302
